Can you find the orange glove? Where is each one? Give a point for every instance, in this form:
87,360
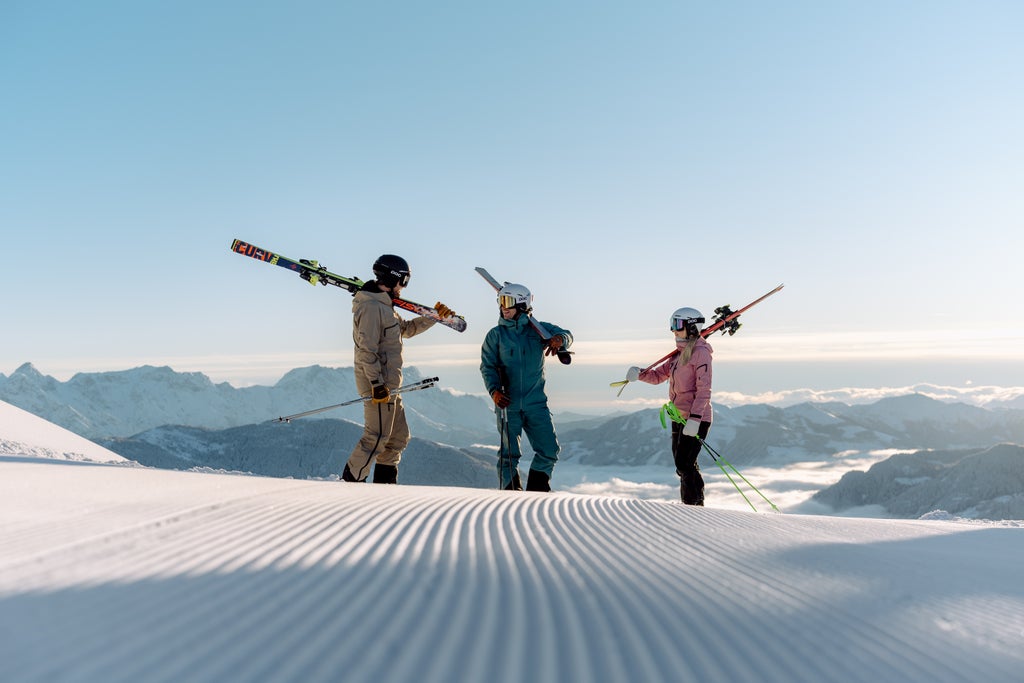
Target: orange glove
500,399
554,345
443,310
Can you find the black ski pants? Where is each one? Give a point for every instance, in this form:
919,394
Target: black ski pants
685,450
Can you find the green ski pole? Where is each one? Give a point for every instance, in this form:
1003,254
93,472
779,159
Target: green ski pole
673,413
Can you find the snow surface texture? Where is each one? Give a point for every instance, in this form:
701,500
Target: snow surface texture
126,574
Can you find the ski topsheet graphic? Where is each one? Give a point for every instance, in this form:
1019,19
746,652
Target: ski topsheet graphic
563,355
314,273
725,321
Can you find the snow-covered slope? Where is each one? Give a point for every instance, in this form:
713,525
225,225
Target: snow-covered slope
128,574
22,433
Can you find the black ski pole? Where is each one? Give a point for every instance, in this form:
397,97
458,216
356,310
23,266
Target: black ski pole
504,452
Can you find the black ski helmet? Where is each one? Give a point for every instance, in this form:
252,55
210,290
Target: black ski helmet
391,270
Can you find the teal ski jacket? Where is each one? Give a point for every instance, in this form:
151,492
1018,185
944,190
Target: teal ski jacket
512,360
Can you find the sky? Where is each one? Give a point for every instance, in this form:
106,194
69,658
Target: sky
621,161
119,573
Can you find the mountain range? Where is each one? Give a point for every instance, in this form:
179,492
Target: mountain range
123,403
163,418
302,449
974,483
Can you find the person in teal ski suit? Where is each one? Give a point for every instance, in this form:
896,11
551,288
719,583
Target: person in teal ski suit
512,365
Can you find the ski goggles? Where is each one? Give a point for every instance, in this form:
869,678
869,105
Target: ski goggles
506,301
678,324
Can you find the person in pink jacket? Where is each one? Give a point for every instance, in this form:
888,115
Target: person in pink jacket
689,388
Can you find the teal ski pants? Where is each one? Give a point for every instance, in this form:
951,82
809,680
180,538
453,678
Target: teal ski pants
536,422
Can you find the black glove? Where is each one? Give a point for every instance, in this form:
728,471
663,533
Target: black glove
380,394
500,399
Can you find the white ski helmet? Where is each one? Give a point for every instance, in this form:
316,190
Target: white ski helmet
686,319
515,296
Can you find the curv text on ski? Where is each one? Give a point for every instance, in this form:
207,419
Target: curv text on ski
313,273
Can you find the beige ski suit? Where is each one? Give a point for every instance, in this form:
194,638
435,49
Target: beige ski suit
378,332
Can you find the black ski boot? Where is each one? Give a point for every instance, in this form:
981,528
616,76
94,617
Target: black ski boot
347,475
538,481
691,489
385,474
516,484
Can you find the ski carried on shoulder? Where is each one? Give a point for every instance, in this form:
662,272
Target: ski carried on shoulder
725,321
564,355
313,273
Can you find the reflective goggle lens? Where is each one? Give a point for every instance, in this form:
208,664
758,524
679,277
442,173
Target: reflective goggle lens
506,301
403,279
677,324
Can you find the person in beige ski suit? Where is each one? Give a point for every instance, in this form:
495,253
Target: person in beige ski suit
377,331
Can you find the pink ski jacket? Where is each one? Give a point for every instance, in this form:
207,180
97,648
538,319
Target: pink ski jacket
689,384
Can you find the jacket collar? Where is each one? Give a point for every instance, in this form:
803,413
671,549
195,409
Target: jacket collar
519,322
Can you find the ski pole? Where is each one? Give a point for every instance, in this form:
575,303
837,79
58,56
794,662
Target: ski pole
717,457
504,454
674,414
416,386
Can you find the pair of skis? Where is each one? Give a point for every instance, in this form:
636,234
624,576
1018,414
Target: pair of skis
725,321
313,273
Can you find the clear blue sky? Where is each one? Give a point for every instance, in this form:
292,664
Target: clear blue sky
620,159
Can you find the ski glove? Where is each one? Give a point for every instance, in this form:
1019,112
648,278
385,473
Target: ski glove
633,374
443,310
554,344
380,394
691,426
500,399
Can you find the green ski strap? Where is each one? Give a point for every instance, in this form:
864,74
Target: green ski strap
673,413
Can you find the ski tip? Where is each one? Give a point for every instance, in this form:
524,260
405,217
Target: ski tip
457,323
